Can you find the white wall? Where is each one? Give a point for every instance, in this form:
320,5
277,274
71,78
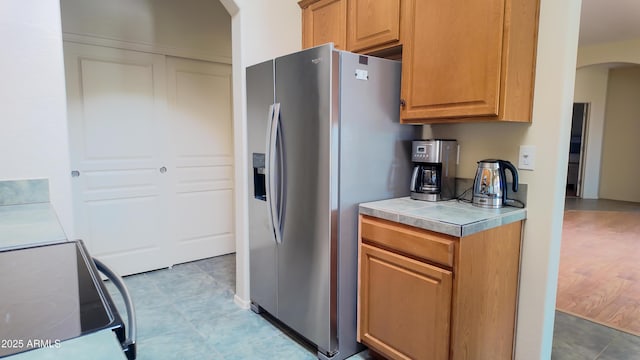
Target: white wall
615,52
591,87
33,140
619,173
549,132
199,29
260,30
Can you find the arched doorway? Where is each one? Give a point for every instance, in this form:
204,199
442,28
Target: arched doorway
151,130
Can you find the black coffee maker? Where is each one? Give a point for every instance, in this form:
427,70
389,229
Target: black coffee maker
434,170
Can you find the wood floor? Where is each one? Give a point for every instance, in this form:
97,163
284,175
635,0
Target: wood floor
599,276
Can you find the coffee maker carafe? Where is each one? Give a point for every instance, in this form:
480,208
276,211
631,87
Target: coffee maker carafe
434,170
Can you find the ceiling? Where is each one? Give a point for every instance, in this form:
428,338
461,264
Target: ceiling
604,21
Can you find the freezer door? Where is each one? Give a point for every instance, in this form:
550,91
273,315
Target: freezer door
262,245
306,297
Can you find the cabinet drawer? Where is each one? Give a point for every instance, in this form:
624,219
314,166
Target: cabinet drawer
407,240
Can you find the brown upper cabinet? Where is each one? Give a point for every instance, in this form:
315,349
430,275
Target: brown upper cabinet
469,60
462,61
324,21
363,26
373,25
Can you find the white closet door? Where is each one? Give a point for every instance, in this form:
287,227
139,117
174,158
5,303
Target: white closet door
200,128
117,127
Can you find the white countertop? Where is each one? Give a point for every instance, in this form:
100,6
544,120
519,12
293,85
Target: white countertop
28,224
455,218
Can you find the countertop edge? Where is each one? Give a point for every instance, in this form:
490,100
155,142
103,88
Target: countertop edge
394,210
28,224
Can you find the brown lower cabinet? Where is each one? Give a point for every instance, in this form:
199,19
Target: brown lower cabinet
426,295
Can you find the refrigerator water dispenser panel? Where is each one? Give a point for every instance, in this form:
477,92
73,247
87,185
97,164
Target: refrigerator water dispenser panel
259,179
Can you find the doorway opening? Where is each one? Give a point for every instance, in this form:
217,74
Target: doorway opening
576,149
150,130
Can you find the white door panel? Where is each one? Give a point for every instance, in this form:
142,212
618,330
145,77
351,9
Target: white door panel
109,184
140,217
131,114
201,109
199,95
119,110
117,113
204,178
207,227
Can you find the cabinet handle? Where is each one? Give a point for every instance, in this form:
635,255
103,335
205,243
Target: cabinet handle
403,103
163,170
75,173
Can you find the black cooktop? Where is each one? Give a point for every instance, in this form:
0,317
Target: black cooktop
51,293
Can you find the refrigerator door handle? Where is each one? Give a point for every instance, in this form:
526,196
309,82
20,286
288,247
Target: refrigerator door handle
268,156
282,168
272,204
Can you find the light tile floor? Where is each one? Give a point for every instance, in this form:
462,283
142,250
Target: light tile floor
578,339
188,312
574,203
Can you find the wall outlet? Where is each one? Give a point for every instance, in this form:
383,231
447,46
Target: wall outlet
527,157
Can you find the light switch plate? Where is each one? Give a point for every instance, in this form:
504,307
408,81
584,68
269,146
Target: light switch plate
527,157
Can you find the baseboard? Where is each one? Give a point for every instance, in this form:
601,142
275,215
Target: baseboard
244,304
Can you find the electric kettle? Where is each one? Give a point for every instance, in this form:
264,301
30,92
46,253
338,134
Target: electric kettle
490,184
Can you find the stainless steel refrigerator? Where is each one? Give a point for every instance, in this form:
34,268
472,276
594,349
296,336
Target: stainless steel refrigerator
323,135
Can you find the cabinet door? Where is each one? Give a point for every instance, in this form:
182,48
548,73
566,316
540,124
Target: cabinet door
452,58
373,24
325,21
404,306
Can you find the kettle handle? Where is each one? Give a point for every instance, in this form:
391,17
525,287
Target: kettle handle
514,174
